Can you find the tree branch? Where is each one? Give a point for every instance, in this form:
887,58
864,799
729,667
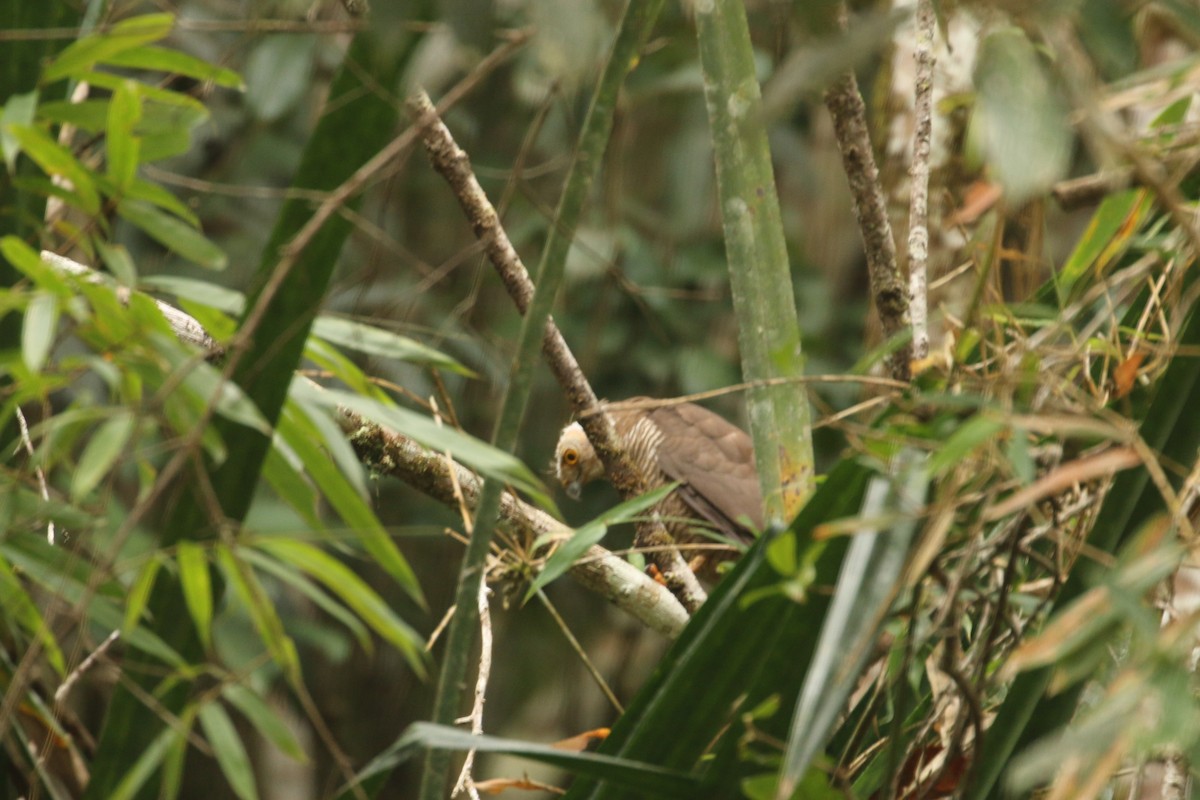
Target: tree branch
845,104
455,166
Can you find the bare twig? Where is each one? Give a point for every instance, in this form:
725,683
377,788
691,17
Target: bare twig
454,165
466,782
918,170
41,476
845,104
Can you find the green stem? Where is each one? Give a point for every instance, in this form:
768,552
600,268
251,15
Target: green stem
768,331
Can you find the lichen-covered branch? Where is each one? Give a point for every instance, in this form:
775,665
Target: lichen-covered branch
625,586
888,287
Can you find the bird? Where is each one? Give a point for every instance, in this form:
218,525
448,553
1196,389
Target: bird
710,458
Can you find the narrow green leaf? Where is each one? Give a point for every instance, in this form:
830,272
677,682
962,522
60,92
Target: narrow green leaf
630,775
228,748
139,595
173,234
230,401
265,720
121,146
197,587
108,444
866,586
353,591
18,606
299,434
83,54
161,59
156,195
118,261
298,581
38,329
57,161
205,292
18,110
1119,217
483,457
18,253
592,532
377,341
147,763
970,435
262,612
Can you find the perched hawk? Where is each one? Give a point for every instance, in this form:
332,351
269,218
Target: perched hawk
711,459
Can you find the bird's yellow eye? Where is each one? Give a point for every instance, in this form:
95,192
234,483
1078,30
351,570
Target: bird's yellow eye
570,457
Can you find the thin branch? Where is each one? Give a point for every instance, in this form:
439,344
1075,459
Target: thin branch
888,288
918,170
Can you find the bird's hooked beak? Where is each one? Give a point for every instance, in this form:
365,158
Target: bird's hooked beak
574,489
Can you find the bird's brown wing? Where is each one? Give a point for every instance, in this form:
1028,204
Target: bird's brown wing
714,460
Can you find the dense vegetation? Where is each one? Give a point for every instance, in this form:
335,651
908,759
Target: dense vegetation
270,413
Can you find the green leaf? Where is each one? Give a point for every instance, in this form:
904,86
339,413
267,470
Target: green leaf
1121,215
467,449
18,110
118,261
265,720
629,774
1012,85
197,587
108,444
377,341
353,591
299,434
139,594
19,607
210,386
592,532
292,577
278,73
970,435
262,612
867,584
122,147
228,748
161,59
204,292
97,48
58,162
147,763
38,329
173,233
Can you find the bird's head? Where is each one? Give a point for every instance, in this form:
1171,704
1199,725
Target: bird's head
575,462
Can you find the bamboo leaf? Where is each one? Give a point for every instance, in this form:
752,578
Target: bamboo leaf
38,330
197,587
56,160
147,763
139,595
173,234
353,591
590,533
18,110
377,341
17,604
265,720
162,59
866,586
108,444
122,147
96,48
350,505
630,775
262,612
228,748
